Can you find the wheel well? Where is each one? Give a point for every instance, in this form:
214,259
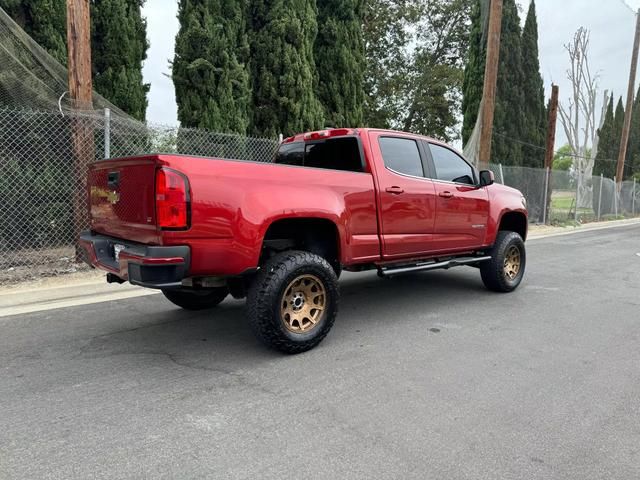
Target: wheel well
316,235
514,222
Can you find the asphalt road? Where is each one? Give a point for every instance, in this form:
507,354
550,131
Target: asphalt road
426,376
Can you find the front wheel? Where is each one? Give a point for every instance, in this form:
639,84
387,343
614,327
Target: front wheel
505,270
293,301
197,299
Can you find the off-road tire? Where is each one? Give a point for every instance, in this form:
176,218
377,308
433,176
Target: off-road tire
493,271
197,299
266,293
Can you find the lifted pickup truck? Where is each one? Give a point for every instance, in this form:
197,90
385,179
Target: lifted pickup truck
280,233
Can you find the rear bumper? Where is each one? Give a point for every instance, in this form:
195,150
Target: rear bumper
143,265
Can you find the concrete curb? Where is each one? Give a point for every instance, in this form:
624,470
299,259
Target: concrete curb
562,231
68,292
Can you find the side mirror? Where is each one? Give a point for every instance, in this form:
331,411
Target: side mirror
487,178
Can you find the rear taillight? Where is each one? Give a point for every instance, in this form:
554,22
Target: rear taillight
172,199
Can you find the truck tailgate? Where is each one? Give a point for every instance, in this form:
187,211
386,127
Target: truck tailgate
122,198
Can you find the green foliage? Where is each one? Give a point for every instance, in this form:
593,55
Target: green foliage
535,112
210,70
414,67
340,61
118,44
119,48
509,117
387,61
44,21
633,151
437,76
36,188
473,74
606,144
283,70
609,141
520,112
563,159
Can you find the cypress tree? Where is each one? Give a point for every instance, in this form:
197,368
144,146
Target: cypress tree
43,20
340,61
604,162
473,74
534,110
283,68
118,44
618,126
119,48
509,116
633,152
210,71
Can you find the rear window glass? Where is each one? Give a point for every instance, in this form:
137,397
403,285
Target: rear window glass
333,154
291,154
401,155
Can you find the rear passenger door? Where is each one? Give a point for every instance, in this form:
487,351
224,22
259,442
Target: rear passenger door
462,209
406,196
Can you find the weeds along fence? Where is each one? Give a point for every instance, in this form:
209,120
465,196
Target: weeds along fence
44,156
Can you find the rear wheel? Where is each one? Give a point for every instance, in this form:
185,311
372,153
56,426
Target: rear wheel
293,301
505,270
196,299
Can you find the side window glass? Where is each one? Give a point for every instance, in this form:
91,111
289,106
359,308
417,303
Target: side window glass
401,155
451,167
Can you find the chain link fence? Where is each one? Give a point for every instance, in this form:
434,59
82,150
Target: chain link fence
43,164
553,196
44,157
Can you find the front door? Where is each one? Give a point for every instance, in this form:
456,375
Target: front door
462,210
406,196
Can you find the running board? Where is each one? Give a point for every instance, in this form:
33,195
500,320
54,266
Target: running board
455,262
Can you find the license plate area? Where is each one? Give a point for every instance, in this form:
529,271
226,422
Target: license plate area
117,248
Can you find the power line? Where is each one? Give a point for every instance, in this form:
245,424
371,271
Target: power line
538,147
631,9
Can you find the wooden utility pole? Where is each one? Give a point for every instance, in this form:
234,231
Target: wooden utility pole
81,92
490,83
79,53
551,145
551,129
624,143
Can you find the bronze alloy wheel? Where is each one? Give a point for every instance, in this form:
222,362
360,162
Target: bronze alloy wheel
512,262
303,304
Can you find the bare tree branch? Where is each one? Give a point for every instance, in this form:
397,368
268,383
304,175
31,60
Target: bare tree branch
579,118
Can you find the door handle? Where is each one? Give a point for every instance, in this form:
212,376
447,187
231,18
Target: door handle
395,190
446,194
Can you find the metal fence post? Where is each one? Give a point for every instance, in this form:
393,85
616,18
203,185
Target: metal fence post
633,199
280,138
501,173
545,199
600,195
107,133
575,213
615,195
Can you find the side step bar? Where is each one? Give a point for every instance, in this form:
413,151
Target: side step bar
454,262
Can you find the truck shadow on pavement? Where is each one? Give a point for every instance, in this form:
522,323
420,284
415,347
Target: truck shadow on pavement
222,336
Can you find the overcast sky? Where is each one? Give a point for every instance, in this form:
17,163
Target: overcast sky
611,24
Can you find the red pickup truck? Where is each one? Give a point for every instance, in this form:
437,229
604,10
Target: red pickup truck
280,233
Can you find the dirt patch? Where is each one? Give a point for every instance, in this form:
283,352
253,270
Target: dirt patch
35,265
